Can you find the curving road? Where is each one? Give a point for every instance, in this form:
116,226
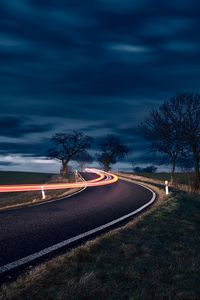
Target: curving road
31,232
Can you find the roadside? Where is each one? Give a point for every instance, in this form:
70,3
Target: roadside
21,199
180,177
155,256
158,180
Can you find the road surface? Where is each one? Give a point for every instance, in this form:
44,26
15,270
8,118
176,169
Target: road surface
26,232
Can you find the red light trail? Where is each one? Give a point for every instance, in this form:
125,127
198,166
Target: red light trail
104,178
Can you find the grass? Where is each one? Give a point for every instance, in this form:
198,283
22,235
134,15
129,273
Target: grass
10,177
180,178
183,181
18,199
154,257
8,200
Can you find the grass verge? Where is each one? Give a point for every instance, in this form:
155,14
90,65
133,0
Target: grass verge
20,199
11,177
158,180
156,256
180,178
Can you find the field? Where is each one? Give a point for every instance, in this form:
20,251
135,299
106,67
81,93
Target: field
155,256
18,199
23,177
180,178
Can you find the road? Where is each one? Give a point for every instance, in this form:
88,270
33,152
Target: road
26,232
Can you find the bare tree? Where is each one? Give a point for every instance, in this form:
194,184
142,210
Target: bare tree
184,111
163,136
67,147
133,165
83,158
112,149
175,127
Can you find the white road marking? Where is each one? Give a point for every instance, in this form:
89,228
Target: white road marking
49,201
50,249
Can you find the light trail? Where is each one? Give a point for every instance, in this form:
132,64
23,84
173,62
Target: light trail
104,178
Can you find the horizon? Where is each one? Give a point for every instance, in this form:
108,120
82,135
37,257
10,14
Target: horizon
97,67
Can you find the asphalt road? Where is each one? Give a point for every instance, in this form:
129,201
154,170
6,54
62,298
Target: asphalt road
28,230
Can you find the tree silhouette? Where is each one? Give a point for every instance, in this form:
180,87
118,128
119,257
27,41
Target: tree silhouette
112,149
184,111
67,147
163,136
83,158
174,128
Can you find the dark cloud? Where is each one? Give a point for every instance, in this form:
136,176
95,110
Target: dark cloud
16,127
97,65
8,163
29,148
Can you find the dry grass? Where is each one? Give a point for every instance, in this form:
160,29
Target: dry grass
17,177
156,256
158,181
21,199
180,177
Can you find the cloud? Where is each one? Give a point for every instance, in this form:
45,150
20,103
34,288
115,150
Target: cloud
97,66
27,163
186,47
123,6
12,126
166,27
128,48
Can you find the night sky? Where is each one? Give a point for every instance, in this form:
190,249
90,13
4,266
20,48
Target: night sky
97,66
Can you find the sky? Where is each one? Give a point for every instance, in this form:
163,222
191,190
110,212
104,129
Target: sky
97,66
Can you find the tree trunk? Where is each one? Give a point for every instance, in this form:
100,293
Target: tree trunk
172,180
64,169
81,165
196,171
106,167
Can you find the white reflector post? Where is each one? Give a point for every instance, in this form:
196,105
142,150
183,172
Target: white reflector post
76,175
166,187
43,192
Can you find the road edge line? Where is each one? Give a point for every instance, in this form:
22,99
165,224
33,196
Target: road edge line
47,201
48,250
